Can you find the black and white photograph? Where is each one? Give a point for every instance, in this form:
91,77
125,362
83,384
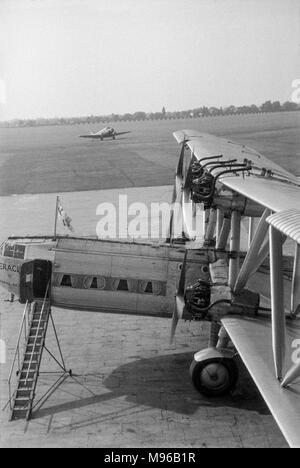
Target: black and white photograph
150,226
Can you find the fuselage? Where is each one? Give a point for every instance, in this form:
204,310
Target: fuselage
106,132
96,275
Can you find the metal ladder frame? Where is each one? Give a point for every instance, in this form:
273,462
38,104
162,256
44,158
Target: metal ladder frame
26,325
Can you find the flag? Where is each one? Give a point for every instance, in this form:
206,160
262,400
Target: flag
66,220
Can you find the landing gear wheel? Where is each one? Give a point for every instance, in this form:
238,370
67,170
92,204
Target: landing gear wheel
214,377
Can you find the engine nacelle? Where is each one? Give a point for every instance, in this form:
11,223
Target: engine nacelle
197,299
202,190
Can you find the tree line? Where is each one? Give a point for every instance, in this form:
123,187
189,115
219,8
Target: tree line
203,111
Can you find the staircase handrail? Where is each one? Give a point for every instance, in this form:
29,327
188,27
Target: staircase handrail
26,313
36,336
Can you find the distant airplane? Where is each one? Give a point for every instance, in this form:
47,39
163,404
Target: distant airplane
105,132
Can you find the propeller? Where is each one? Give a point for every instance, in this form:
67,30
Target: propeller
176,199
180,162
188,177
179,300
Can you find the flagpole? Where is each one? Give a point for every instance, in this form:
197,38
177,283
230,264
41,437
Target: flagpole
55,222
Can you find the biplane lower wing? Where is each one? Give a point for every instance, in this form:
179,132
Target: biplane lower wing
252,338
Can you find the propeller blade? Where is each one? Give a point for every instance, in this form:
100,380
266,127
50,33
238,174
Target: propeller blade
181,286
179,300
180,162
177,315
188,177
174,194
176,212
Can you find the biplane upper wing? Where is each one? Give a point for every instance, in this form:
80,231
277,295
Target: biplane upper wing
277,195
268,346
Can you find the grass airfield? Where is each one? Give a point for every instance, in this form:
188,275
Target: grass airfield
55,159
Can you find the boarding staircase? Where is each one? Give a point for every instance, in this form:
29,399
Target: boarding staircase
26,369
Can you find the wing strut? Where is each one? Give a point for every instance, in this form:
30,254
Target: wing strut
295,294
251,230
211,226
277,305
223,237
294,372
234,260
250,263
220,218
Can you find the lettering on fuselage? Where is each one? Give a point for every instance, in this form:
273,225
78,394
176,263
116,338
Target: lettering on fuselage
8,267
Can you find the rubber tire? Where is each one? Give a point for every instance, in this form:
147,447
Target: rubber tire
233,375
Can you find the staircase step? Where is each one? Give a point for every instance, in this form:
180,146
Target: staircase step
31,367
28,354
33,349
31,375
22,402
39,335
24,393
31,341
38,313
19,413
35,359
36,329
26,384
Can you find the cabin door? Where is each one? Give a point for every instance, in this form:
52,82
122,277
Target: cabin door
35,276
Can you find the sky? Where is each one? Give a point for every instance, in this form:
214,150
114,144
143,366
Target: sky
82,57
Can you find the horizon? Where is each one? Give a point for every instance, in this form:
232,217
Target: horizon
67,58
110,116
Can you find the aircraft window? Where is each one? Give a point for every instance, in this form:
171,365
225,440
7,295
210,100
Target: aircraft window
123,285
94,284
150,287
14,250
66,281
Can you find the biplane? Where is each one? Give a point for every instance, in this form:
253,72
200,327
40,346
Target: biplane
106,132
230,186
232,182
